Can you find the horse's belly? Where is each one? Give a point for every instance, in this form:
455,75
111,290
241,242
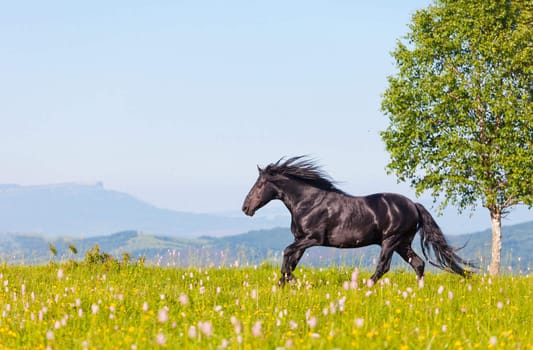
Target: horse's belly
352,239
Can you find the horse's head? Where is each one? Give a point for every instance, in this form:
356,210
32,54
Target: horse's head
261,193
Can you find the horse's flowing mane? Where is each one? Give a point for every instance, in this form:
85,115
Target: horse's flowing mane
303,169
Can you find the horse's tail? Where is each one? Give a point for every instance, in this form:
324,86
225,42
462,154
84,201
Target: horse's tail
432,238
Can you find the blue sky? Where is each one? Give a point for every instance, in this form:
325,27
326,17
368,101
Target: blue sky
175,102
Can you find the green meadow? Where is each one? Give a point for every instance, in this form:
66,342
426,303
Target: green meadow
130,306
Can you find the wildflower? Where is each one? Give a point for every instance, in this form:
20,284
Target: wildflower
184,299
50,335
315,335
145,306
440,290
444,328
346,285
236,324
94,309
162,315
293,325
60,273
450,295
493,341
499,305
359,322
312,322
161,339
192,332
256,329
355,275
206,328
224,344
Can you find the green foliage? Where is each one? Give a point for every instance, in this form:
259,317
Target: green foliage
52,249
93,307
461,106
93,256
73,248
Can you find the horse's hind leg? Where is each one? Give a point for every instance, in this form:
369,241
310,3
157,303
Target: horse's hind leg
409,255
385,258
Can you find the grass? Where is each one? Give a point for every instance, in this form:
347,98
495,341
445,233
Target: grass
113,306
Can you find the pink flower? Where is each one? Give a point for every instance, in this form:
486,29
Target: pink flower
359,322
184,299
206,328
312,322
192,332
236,323
162,315
161,339
256,329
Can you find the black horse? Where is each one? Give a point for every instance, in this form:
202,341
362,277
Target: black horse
323,215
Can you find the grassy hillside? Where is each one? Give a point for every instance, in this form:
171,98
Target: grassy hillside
253,248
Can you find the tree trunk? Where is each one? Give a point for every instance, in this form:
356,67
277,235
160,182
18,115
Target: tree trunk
496,222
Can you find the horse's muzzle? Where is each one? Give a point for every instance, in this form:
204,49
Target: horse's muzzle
247,210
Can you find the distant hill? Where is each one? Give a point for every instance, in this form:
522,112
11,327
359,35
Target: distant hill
82,210
254,247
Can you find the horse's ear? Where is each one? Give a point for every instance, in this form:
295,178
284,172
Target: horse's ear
259,169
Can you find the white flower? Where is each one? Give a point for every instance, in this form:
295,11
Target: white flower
493,340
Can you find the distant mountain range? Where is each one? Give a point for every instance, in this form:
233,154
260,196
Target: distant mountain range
84,210
254,247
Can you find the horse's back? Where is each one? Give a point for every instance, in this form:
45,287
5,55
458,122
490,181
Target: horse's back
392,210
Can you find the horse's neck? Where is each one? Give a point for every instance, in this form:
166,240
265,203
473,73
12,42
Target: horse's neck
296,195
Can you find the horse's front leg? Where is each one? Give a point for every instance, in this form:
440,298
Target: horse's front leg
291,256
